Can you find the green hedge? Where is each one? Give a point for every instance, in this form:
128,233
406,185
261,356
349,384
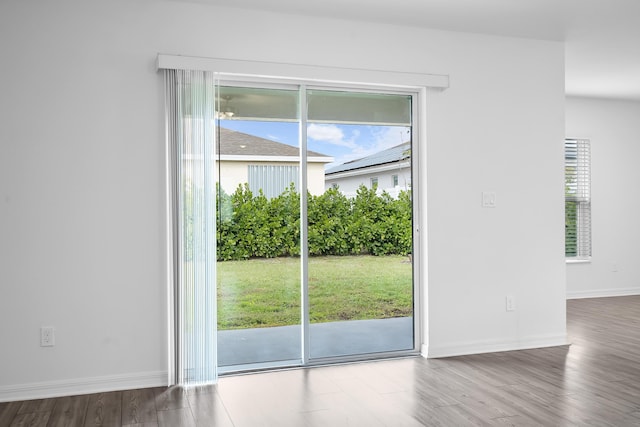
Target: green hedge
253,226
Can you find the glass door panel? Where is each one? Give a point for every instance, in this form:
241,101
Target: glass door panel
360,273
258,238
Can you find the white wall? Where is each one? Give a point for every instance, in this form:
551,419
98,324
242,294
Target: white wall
614,131
498,128
82,238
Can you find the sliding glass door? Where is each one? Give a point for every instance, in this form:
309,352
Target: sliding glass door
314,224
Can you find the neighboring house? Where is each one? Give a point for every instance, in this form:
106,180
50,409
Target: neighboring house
265,164
389,170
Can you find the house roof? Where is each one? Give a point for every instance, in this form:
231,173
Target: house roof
234,143
390,155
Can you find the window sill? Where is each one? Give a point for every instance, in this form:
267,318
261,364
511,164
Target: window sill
578,260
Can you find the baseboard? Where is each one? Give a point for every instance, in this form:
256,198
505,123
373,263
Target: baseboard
463,349
77,386
603,293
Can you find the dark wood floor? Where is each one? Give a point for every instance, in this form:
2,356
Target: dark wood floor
596,381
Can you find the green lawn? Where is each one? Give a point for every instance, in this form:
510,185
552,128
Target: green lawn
266,292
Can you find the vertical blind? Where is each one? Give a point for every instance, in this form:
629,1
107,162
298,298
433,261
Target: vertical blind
577,155
190,109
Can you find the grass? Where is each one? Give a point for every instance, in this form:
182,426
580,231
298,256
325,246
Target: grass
266,292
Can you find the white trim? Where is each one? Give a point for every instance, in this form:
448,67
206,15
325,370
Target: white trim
578,260
424,351
72,387
419,183
296,72
305,319
258,158
478,347
603,293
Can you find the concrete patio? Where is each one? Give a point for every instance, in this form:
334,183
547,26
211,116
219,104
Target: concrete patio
334,339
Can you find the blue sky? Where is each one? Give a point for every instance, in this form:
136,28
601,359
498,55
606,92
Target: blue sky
342,142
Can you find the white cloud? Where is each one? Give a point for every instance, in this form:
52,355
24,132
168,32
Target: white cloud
390,136
332,134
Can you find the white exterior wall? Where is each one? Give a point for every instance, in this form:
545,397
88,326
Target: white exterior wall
614,131
315,178
82,200
233,174
350,182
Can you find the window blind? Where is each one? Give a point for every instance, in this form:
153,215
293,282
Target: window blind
577,155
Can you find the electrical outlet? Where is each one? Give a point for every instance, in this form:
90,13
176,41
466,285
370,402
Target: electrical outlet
510,303
47,336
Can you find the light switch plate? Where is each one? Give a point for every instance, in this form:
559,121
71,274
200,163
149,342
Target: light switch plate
488,199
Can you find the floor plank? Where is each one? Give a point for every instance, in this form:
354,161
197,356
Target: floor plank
139,406
208,410
104,409
38,405
168,398
8,411
69,412
33,419
176,417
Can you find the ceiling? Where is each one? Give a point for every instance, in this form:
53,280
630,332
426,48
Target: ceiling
602,37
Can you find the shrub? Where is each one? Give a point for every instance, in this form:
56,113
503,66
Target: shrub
254,226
